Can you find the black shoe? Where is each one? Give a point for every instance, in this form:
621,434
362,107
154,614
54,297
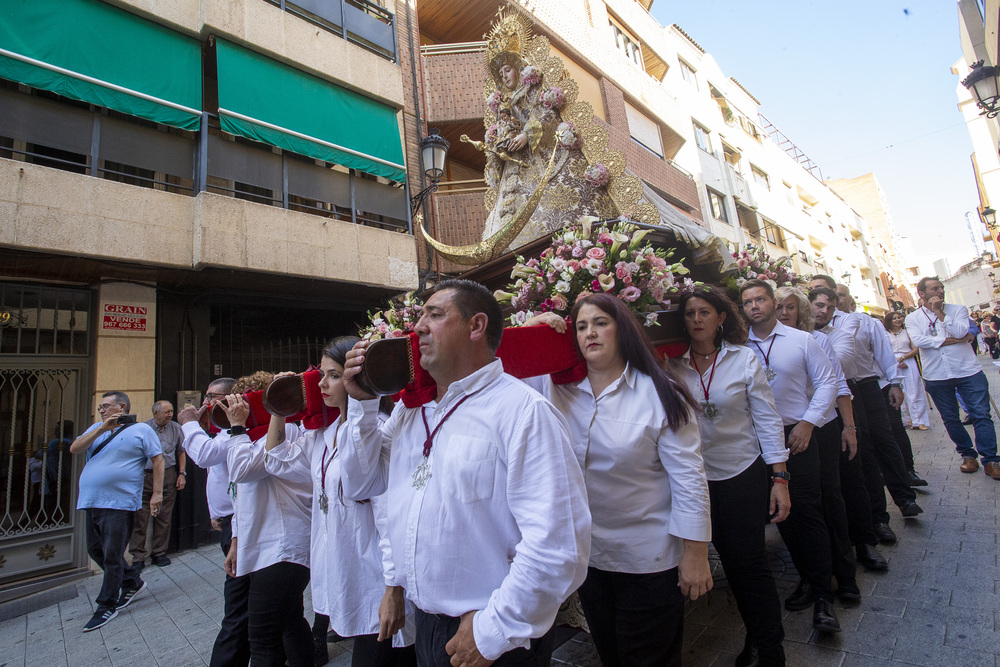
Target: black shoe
824,618
884,534
332,637
848,591
967,421
128,594
748,656
321,653
139,565
100,619
913,479
801,598
161,561
910,509
870,557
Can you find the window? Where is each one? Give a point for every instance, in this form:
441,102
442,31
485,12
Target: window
774,233
702,138
718,204
803,256
626,43
760,176
688,73
731,154
644,130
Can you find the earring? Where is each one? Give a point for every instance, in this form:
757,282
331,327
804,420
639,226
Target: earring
720,328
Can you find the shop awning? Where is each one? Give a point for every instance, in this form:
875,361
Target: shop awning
96,53
270,102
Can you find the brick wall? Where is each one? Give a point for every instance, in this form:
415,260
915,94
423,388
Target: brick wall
458,220
454,87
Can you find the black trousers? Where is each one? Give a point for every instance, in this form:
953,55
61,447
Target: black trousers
739,513
881,460
636,620
278,630
434,631
368,651
899,433
860,526
232,645
834,508
108,532
804,531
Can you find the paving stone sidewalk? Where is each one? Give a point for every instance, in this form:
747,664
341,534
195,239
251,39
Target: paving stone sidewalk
936,606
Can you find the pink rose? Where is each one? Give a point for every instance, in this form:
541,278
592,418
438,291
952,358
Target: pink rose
621,272
559,302
574,264
596,253
743,263
579,251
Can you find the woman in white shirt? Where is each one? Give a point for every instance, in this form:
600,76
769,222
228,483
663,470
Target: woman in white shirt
743,444
348,548
633,430
916,407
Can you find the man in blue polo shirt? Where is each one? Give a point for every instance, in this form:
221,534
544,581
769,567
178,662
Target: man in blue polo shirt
111,492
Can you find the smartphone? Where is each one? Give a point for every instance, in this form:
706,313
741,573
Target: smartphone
126,419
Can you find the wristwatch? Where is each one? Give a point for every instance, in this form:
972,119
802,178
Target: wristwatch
897,385
781,475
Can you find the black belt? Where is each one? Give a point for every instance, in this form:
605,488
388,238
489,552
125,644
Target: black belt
870,378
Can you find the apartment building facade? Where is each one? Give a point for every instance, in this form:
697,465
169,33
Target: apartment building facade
187,190
694,136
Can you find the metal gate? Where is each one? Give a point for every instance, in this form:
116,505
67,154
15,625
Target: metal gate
38,413
44,371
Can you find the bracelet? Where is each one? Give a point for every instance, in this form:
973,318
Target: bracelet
852,427
183,473
780,480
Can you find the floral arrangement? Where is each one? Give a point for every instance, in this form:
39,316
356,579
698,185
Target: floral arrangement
492,133
395,321
567,136
754,262
586,259
597,175
493,101
530,75
553,98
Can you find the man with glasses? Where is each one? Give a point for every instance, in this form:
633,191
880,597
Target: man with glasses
111,492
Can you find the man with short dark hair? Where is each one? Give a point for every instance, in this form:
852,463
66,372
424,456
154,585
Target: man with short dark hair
232,645
805,389
940,331
110,492
488,518
174,479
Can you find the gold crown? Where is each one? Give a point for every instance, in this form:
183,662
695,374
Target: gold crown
506,41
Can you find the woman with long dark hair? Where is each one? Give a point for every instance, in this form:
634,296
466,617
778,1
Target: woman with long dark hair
347,541
635,435
743,444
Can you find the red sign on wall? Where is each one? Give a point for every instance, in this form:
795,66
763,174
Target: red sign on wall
124,318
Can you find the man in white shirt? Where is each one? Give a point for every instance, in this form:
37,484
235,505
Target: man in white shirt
805,389
861,525
874,365
941,332
488,519
232,645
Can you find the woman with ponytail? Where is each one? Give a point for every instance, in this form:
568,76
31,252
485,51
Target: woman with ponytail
633,428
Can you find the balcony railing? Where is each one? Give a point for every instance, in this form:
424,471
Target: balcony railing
359,21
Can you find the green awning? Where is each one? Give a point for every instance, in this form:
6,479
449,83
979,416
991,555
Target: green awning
96,53
267,101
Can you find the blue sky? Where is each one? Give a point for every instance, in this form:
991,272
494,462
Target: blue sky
844,80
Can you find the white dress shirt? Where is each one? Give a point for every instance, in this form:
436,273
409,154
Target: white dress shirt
946,362
272,515
210,453
747,424
873,351
501,525
838,373
645,482
350,561
843,346
804,387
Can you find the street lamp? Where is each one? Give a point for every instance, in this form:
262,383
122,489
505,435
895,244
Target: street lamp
982,83
989,217
433,152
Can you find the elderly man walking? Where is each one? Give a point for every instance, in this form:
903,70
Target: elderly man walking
110,492
174,478
941,332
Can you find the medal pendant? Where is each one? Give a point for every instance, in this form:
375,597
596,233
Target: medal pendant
931,330
421,475
709,410
324,502
769,373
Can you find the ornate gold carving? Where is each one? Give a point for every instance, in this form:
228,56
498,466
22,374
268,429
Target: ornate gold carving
580,114
489,199
626,191
506,41
46,552
537,51
571,89
646,213
553,70
605,206
560,196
